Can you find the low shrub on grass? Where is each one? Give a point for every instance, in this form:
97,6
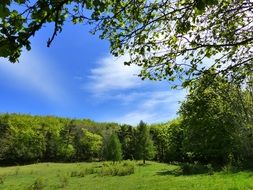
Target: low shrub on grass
83,172
64,181
74,174
119,169
89,170
2,178
17,170
106,169
196,168
38,184
230,168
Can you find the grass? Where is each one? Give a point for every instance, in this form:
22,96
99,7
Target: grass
86,176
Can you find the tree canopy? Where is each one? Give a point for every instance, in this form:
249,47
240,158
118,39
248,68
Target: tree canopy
168,39
217,122
114,151
145,145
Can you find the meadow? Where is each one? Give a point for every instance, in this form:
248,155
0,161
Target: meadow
98,176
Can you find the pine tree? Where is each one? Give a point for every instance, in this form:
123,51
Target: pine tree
145,146
114,151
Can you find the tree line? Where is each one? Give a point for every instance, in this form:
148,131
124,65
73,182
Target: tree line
26,139
214,126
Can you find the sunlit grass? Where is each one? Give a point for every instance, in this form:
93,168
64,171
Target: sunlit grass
153,176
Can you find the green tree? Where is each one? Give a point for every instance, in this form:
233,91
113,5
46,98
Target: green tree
145,148
66,149
214,119
168,138
154,33
26,138
91,143
127,139
161,140
24,143
113,150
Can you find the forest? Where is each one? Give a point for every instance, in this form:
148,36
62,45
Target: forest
202,46
214,126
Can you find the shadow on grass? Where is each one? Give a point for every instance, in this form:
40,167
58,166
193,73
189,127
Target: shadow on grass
198,169
175,172
188,169
143,165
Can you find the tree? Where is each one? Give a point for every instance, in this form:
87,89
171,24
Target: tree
168,39
161,139
91,144
145,148
171,39
215,120
87,144
113,150
127,138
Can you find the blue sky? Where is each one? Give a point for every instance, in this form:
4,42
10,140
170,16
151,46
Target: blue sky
78,78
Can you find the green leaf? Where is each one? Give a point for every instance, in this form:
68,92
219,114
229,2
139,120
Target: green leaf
4,11
20,1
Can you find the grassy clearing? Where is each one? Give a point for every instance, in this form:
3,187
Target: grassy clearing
85,176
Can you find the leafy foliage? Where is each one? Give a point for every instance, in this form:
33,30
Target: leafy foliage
26,138
145,147
168,139
114,151
215,119
168,39
119,169
215,127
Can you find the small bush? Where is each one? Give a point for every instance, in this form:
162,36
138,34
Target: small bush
38,184
106,169
117,169
230,168
74,174
2,178
89,170
17,170
196,168
83,172
64,181
210,169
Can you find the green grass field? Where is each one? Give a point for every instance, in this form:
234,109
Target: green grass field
149,177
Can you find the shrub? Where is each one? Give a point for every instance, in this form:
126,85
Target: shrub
38,184
2,178
74,174
117,169
196,168
64,181
83,172
17,170
89,170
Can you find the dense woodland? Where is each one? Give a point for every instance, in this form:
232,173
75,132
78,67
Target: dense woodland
214,126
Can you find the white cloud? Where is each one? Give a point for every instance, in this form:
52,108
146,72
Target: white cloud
153,107
112,74
33,73
133,118
111,81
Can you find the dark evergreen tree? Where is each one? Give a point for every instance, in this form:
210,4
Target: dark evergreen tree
145,148
114,151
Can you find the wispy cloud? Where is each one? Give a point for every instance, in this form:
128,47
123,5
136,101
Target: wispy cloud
153,107
34,73
113,82
111,74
